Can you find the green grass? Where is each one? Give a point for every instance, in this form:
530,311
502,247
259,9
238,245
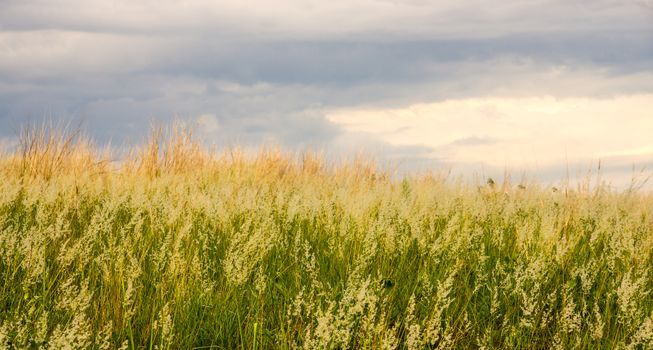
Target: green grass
229,252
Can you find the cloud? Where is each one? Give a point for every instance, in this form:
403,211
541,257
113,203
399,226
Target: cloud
256,72
320,19
516,133
473,141
8,144
68,55
208,123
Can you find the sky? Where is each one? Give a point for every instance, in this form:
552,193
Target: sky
537,88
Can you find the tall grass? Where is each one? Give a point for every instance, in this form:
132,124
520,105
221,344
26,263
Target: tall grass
181,247
48,149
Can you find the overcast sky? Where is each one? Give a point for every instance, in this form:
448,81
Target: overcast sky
528,86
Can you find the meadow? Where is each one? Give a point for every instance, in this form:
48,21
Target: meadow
181,247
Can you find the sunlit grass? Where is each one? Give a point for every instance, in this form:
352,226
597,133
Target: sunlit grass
179,247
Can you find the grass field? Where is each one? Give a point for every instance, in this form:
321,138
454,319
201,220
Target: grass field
180,248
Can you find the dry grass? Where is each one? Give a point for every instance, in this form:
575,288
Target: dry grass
183,247
47,150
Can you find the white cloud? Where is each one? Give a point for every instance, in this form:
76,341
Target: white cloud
533,133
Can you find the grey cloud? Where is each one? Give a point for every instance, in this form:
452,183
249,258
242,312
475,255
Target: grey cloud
342,62
119,106
346,63
269,74
333,19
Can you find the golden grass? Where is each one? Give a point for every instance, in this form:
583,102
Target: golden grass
179,246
